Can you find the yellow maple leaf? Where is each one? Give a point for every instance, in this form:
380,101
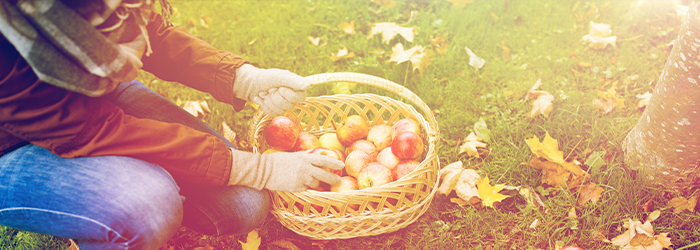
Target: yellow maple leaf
608,101
415,55
439,43
389,31
549,149
489,194
342,54
641,236
643,100
253,241
679,204
458,4
472,142
386,3
349,28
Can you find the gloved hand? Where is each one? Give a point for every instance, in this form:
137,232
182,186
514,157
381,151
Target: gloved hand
275,90
291,172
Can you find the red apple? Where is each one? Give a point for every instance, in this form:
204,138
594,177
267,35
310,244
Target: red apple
407,145
388,158
333,153
354,128
405,167
364,145
306,141
373,175
405,125
355,161
380,135
282,133
346,183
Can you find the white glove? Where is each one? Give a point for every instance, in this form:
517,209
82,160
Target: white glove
290,172
275,90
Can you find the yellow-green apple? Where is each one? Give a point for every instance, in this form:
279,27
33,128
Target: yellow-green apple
405,125
333,153
354,128
330,141
407,145
374,174
380,135
282,133
363,145
355,161
346,183
272,150
306,141
388,158
405,167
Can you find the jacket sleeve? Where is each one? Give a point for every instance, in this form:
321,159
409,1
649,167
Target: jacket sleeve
180,57
74,125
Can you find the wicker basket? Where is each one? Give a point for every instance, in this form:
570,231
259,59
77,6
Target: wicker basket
370,211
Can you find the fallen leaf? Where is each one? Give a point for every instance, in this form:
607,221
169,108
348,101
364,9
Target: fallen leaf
481,130
228,133
553,174
654,215
532,197
415,55
505,53
548,148
449,175
679,204
439,43
608,101
572,213
459,201
386,3
643,100
595,161
390,30
599,37
534,224
543,100
489,194
285,244
252,242
474,60
342,54
641,236
590,192
348,28
197,109
314,40
463,181
469,147
458,4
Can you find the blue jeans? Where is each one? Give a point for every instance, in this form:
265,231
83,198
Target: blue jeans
115,202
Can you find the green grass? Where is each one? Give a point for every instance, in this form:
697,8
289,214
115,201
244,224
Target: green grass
540,43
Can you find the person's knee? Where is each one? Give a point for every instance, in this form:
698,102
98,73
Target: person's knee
258,206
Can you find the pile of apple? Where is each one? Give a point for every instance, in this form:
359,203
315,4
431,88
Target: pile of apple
373,155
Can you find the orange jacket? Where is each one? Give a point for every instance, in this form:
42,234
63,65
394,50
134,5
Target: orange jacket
73,125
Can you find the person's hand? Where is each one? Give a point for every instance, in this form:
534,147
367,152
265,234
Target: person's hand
275,90
283,171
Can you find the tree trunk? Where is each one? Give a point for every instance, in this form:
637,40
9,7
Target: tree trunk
665,143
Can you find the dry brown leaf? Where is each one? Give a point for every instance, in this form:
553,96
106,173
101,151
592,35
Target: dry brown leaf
643,100
590,192
386,3
415,55
342,54
462,181
458,4
472,142
439,43
285,244
449,176
641,236
314,40
390,30
474,60
608,101
348,28
679,204
459,201
228,133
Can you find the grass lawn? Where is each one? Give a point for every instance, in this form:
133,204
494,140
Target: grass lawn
544,40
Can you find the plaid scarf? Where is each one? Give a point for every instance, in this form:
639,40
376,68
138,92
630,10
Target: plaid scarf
83,46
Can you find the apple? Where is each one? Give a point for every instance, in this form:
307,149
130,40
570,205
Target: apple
405,125
380,135
330,141
388,158
373,175
407,145
282,133
355,161
272,150
571,248
354,128
364,145
333,153
306,141
405,167
346,183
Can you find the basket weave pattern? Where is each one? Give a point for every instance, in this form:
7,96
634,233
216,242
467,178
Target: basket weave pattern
370,211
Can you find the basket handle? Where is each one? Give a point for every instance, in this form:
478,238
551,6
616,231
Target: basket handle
381,83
